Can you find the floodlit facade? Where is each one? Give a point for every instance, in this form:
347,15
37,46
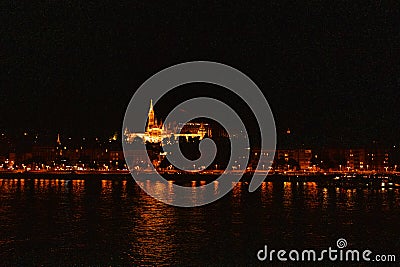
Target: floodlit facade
156,132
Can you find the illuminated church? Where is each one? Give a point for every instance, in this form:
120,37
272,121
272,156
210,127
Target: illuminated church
156,132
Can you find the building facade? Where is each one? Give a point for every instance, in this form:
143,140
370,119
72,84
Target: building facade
156,132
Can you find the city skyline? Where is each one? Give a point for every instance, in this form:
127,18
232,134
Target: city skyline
325,75
199,133
66,153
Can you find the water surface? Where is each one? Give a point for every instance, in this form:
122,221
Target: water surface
101,222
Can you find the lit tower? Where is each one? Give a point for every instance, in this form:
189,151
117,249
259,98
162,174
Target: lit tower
58,146
58,139
202,131
150,122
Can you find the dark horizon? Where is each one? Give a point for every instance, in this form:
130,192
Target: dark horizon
329,72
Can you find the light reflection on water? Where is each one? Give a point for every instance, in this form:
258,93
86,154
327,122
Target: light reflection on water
108,222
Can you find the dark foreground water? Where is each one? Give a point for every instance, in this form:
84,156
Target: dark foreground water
114,223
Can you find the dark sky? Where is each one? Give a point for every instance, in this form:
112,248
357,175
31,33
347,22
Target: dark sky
330,71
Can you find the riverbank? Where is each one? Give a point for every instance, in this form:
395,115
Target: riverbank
196,179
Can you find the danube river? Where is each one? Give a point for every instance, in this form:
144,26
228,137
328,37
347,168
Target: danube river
98,222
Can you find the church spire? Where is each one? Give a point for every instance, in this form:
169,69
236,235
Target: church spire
150,123
58,139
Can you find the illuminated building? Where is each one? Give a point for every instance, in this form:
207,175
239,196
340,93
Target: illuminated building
301,157
355,159
157,131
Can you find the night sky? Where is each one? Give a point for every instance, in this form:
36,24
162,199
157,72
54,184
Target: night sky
329,71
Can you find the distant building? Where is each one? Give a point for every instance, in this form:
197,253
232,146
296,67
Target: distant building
355,159
378,159
116,155
44,154
157,131
265,162
137,159
298,158
293,159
